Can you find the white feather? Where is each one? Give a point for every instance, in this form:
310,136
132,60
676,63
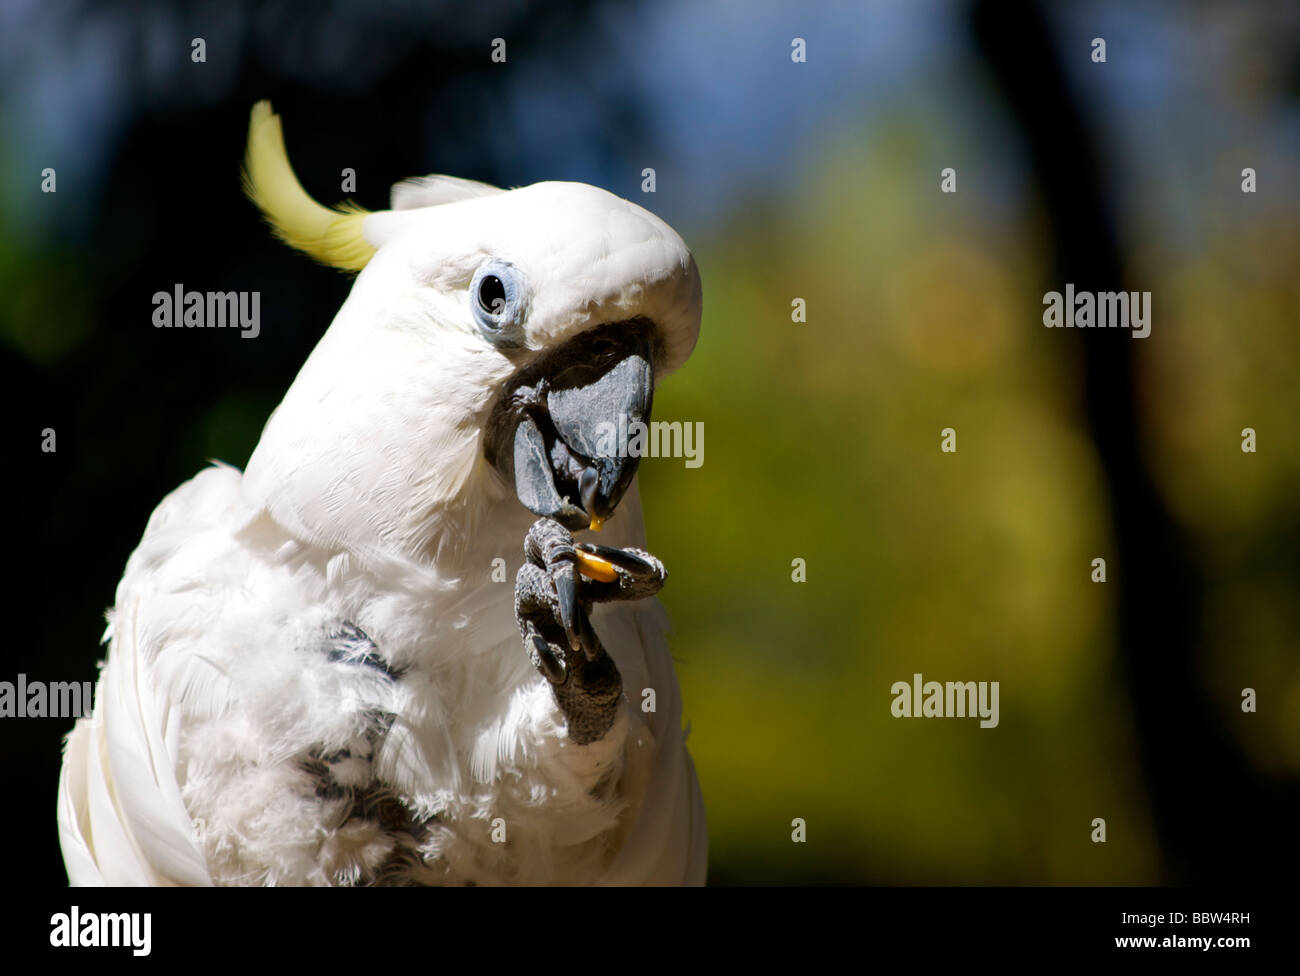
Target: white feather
431,191
368,505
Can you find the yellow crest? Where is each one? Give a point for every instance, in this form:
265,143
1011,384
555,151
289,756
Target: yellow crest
331,235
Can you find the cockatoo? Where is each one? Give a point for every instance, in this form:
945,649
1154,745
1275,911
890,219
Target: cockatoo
315,673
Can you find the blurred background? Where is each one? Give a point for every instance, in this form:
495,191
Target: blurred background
817,180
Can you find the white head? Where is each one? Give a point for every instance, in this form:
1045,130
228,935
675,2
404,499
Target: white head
488,334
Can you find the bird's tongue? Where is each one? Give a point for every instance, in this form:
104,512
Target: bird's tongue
587,485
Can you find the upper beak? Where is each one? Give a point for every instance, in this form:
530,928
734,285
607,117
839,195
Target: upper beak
559,431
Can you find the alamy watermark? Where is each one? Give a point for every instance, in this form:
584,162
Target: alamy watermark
76,929
950,699
46,699
1103,310
179,308
657,439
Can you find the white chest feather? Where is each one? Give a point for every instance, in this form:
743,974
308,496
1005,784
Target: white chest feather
334,723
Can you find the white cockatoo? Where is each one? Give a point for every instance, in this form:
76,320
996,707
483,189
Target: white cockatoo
315,671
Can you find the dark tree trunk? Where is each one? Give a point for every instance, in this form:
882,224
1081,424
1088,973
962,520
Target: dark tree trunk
1217,818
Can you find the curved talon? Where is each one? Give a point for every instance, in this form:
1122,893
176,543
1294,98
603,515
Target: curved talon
590,642
566,592
552,667
555,591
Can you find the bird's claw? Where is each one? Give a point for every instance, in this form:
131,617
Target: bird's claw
554,594
544,657
549,547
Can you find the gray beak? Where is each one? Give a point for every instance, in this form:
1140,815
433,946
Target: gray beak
559,431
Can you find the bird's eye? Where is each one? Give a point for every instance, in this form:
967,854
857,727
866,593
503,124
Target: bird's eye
492,295
498,302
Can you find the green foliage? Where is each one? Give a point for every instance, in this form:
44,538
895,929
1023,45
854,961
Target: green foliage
823,443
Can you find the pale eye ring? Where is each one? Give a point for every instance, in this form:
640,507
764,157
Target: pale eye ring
496,297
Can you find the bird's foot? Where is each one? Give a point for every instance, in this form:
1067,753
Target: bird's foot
555,590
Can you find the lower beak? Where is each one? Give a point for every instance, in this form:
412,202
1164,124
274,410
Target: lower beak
560,431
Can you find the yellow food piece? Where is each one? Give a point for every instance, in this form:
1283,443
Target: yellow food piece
593,567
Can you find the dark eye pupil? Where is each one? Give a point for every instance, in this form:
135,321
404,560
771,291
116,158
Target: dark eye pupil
492,294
